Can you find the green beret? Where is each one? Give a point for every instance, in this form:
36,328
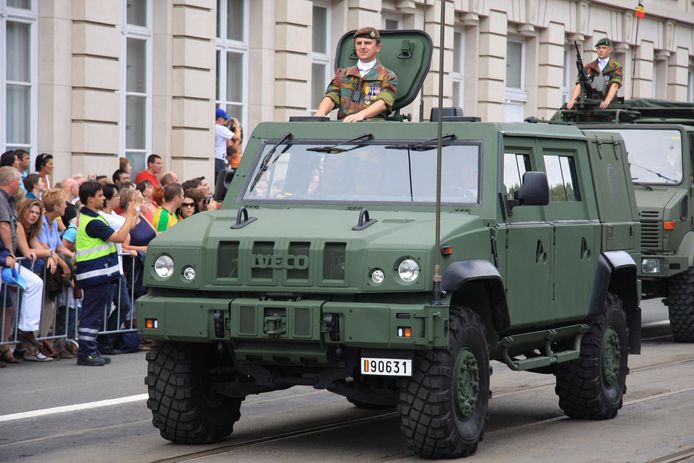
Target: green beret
605,42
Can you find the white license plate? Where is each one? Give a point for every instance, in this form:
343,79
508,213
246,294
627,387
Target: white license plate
386,367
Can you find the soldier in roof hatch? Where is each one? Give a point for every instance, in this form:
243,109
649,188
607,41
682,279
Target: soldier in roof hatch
363,91
605,75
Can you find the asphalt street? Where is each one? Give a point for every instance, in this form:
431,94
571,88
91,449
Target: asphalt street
56,412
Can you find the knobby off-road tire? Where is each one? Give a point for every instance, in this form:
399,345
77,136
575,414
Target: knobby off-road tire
592,386
184,408
681,306
443,406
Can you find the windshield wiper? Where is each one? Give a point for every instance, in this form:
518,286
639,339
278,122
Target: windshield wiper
334,148
423,146
268,161
657,174
643,185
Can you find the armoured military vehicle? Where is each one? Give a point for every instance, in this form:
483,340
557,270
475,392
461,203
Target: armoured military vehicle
318,271
659,137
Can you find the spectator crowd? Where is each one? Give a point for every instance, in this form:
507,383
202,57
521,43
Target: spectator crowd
40,297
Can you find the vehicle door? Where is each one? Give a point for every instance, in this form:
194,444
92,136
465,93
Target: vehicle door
575,227
527,254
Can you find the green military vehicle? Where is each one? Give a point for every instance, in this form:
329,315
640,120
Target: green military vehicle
659,137
318,271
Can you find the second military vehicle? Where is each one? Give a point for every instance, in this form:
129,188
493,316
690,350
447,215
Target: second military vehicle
318,271
659,137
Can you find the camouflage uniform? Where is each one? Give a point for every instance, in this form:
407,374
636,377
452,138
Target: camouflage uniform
612,72
353,93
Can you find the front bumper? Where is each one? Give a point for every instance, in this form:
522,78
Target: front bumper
667,265
320,323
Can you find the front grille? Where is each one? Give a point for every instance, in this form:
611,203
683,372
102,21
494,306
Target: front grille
300,251
261,270
334,261
651,230
228,259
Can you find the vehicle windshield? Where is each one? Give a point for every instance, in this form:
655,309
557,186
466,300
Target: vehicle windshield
655,155
376,173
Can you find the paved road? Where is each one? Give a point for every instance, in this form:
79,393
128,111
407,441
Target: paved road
302,424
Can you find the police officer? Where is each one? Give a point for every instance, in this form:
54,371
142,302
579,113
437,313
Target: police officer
363,91
96,268
604,73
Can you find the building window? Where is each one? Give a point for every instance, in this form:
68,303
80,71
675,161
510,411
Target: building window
458,72
18,64
320,55
232,58
516,95
690,85
136,82
392,21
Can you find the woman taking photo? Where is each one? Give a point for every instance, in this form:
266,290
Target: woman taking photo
188,206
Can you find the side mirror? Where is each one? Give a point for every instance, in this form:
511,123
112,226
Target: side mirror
533,192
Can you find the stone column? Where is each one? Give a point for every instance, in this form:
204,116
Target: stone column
192,89
550,76
363,13
678,75
492,70
55,84
643,75
292,61
261,82
432,21
95,79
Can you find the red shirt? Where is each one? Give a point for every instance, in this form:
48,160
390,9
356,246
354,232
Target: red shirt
145,175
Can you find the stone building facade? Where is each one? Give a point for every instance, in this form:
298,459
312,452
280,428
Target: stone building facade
92,80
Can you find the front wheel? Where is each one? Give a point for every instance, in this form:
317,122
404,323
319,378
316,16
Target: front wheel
443,406
184,407
592,386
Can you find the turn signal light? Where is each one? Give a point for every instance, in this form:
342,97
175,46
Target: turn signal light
151,323
669,225
446,250
405,332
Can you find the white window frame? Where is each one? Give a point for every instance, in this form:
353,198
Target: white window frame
458,75
517,96
322,58
145,34
11,14
224,46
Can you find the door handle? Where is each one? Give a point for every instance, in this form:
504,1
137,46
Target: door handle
585,251
540,254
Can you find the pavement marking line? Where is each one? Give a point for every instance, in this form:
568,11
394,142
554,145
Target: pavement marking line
73,408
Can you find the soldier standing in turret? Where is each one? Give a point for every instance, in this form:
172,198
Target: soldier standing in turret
605,75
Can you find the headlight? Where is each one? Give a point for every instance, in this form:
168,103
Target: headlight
650,266
408,270
189,273
377,276
164,266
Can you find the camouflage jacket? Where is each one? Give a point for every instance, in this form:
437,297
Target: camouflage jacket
612,72
353,93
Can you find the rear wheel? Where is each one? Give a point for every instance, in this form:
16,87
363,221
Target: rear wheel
443,406
184,407
681,306
592,386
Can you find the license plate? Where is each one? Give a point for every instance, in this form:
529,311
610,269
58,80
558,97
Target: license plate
386,367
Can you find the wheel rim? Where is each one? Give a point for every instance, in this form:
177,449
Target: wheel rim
611,357
467,383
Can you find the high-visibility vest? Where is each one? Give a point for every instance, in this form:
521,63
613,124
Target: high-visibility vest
96,259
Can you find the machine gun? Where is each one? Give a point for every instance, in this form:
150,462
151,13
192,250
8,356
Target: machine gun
587,90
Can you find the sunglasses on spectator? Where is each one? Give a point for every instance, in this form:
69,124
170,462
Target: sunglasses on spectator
188,205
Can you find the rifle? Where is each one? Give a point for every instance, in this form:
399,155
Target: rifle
583,78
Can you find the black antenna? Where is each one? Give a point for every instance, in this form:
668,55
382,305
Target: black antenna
439,148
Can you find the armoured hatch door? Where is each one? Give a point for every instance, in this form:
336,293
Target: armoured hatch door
405,52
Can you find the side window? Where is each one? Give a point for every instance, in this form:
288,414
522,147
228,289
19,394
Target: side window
562,179
515,165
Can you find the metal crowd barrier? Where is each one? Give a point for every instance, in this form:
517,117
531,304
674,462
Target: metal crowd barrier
64,325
